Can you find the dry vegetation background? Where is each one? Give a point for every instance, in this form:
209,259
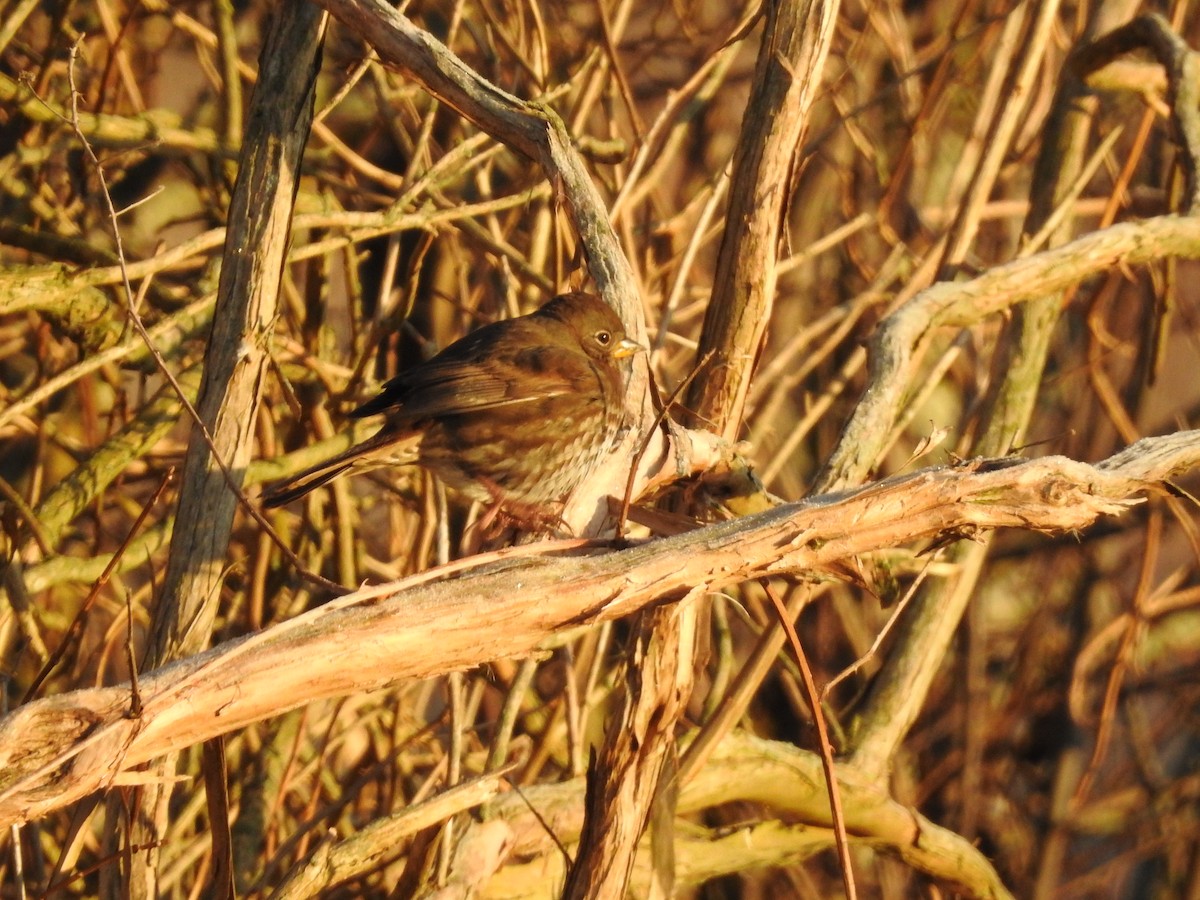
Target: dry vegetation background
1061,734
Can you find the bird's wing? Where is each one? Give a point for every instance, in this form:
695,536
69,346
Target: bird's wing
472,382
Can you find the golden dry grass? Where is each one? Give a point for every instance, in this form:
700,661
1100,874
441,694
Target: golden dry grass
1057,730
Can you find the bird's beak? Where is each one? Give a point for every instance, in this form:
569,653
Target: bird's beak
627,347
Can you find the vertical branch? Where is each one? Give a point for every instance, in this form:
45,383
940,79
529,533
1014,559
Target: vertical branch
786,78
625,779
624,784
255,247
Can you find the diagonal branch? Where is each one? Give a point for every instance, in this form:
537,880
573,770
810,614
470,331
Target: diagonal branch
55,750
900,341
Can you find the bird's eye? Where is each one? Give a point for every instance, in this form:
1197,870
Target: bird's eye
603,338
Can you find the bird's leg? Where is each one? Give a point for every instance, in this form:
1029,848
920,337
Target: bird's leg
504,513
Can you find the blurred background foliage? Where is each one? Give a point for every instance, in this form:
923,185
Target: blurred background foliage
1063,735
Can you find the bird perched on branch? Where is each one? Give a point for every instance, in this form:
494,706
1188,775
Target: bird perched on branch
516,414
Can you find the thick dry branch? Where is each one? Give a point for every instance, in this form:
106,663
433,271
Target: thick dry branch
56,750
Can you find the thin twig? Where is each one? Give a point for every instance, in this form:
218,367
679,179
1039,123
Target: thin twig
826,748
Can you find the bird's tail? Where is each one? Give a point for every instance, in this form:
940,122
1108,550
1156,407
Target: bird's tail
362,457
